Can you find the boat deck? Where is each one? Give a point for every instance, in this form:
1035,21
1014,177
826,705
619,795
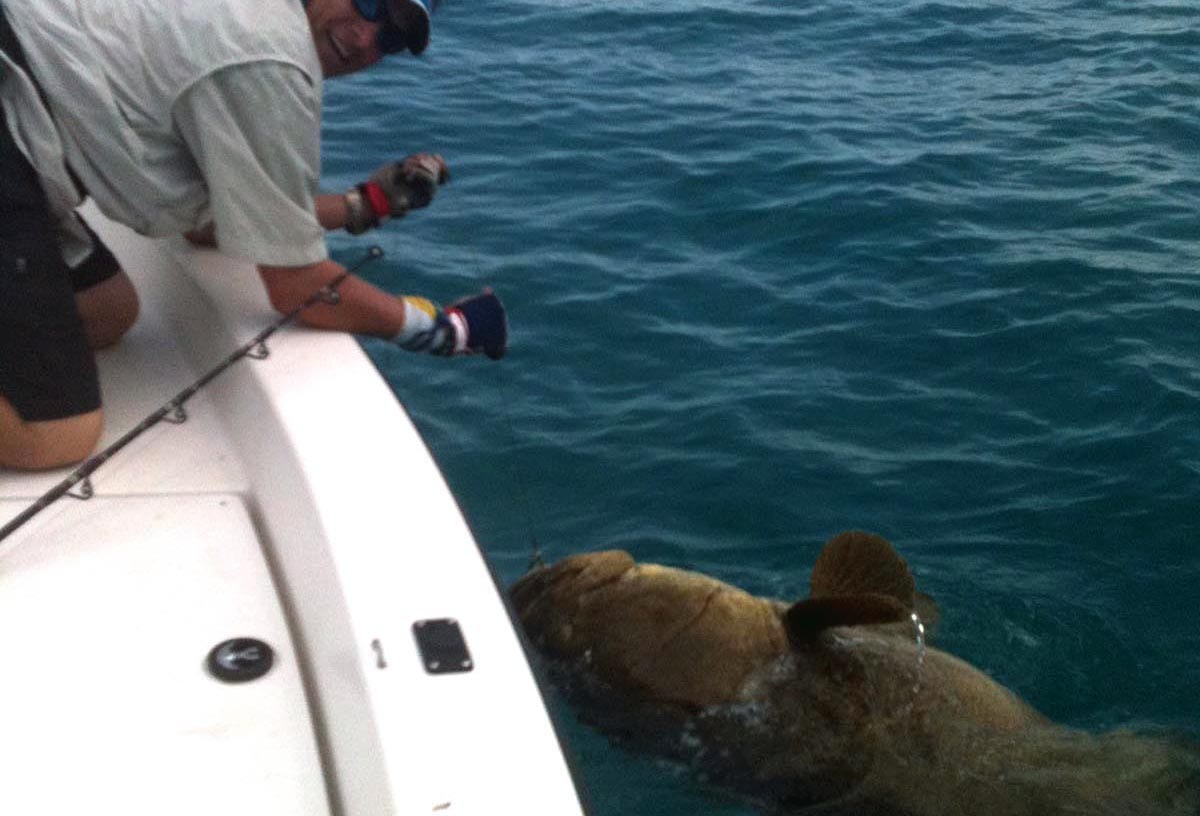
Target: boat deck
106,632
275,511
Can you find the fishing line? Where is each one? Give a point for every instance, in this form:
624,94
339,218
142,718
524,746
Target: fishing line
172,410
535,554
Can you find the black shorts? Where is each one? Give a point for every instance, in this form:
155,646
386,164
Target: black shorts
47,368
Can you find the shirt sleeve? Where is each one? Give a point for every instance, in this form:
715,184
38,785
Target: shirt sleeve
255,130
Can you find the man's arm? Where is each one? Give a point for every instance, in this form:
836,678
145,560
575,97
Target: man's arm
362,307
414,184
332,212
474,325
261,190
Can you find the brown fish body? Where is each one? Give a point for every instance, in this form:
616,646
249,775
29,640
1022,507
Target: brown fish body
828,701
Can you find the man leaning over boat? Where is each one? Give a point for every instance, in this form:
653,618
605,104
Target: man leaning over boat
172,116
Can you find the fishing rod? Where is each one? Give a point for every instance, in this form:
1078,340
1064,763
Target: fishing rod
172,410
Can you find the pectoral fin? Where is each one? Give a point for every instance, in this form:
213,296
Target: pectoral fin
806,620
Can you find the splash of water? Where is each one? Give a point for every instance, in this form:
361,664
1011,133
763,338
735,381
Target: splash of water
919,635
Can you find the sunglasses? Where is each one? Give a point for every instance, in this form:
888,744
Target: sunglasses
392,38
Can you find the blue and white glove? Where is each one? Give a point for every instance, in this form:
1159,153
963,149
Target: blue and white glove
474,325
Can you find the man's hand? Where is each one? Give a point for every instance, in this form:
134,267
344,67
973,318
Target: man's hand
394,189
412,183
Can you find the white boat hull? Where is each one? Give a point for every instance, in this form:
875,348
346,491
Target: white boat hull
298,505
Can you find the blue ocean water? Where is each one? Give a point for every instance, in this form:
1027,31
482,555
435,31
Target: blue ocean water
780,268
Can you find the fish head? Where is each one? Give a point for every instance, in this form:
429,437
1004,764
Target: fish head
662,634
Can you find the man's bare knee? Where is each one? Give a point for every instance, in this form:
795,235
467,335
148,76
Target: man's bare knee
49,443
109,309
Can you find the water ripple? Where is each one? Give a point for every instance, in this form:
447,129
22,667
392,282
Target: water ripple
777,269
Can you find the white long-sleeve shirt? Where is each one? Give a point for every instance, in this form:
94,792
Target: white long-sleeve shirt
173,113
